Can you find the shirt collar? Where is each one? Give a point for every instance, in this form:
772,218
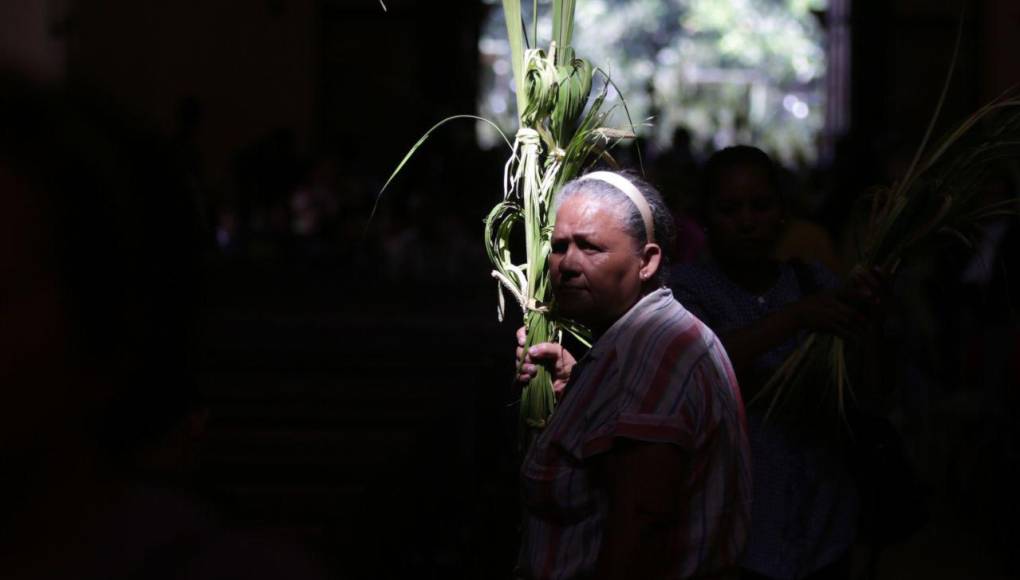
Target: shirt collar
607,341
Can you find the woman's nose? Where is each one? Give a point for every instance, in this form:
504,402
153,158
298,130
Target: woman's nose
568,263
745,219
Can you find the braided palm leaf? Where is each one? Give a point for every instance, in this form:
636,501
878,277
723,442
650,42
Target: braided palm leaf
936,198
561,133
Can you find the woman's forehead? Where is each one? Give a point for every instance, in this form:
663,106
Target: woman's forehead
583,208
742,180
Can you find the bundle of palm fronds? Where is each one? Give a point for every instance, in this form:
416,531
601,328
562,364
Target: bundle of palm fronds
938,197
562,131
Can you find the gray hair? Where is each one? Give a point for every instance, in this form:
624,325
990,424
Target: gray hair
630,216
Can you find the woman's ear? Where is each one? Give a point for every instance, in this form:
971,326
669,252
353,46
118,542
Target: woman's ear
651,259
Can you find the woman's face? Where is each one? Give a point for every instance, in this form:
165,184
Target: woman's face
745,216
596,267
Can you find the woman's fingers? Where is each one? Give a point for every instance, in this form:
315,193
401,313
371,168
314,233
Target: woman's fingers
872,282
526,369
844,331
840,313
526,373
829,313
559,387
847,320
522,336
550,355
545,352
853,314
869,286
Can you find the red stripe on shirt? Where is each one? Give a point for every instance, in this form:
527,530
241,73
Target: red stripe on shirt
680,343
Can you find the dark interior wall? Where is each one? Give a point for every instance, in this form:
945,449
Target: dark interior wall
335,72
902,53
345,72
385,77
249,64
27,39
1000,34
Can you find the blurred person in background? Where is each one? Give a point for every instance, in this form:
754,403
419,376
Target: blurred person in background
676,172
805,505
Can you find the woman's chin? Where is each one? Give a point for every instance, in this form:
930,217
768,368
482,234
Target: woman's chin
574,305
747,257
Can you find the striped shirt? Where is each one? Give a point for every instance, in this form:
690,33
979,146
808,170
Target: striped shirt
658,375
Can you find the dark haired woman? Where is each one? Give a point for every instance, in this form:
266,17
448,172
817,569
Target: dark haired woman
805,504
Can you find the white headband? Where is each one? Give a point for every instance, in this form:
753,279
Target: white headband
624,185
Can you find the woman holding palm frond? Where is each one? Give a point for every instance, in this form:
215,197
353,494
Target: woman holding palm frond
643,470
805,502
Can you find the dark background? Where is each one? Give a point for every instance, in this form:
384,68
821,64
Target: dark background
357,383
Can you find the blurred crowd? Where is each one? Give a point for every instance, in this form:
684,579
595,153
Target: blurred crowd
952,340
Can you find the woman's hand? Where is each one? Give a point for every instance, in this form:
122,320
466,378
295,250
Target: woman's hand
828,312
845,312
553,356
868,288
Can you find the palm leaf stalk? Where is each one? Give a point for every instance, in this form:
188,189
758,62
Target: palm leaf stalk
562,132
938,197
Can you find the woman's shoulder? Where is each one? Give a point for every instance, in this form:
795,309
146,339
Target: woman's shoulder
666,334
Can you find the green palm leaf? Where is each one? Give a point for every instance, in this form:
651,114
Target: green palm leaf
562,131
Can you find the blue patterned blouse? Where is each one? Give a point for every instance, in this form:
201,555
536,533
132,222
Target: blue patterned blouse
805,505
